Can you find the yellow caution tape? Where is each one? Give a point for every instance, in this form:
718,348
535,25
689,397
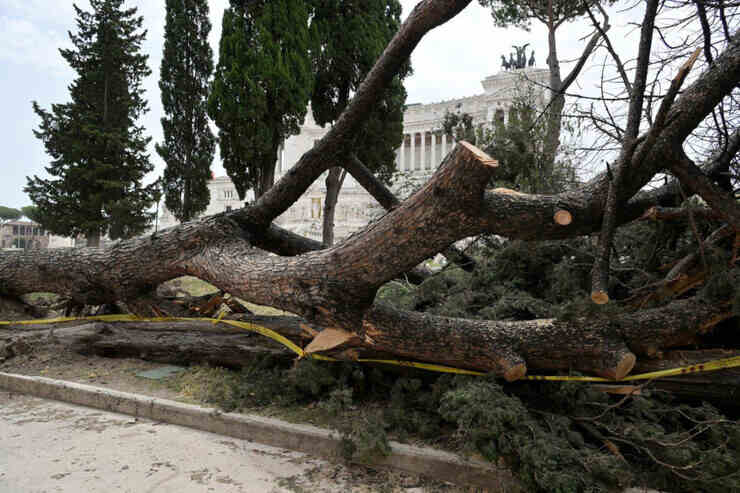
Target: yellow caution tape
423,366
718,364
714,365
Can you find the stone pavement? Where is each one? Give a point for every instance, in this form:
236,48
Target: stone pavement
48,446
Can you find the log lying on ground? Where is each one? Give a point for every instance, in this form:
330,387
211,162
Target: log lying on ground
720,386
191,342
336,287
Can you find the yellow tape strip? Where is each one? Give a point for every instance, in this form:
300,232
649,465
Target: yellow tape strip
423,366
701,367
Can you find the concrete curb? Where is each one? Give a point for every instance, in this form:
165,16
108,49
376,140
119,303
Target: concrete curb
302,438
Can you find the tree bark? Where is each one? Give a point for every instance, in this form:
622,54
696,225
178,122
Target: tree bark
335,287
334,181
163,342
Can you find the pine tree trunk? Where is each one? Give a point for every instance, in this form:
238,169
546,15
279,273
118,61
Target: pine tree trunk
335,288
334,181
93,239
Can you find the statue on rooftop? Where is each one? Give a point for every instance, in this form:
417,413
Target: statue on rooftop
521,55
504,63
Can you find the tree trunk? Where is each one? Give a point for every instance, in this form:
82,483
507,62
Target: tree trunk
556,105
334,181
335,288
162,342
93,239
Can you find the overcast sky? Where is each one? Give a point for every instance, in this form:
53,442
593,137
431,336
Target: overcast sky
449,63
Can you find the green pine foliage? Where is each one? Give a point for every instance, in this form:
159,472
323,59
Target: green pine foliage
9,213
261,87
31,212
515,13
518,143
555,437
189,144
348,36
98,152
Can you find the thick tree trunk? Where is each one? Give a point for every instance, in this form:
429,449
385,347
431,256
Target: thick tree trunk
335,287
162,342
183,342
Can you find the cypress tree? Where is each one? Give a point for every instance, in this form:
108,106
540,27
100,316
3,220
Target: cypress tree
261,87
98,152
189,144
348,37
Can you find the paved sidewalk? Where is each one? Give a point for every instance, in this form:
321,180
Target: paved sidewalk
49,446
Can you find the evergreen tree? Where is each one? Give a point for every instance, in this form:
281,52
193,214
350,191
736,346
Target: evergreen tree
98,153
348,37
261,87
189,144
31,212
9,214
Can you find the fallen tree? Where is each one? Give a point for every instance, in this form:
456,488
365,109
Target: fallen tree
335,288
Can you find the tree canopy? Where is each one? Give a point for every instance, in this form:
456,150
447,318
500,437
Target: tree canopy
9,213
261,87
347,38
515,13
98,153
189,144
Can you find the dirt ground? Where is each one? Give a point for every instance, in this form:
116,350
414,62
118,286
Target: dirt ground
120,374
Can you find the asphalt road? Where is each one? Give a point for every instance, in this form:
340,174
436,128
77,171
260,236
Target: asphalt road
48,446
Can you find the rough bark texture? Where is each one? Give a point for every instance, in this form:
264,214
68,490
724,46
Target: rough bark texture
334,181
335,287
189,342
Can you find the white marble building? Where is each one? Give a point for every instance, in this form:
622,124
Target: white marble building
423,149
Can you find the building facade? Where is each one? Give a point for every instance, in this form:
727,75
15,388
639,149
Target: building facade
423,148
24,235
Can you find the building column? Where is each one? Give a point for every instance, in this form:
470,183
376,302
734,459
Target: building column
412,153
433,163
444,144
422,164
402,154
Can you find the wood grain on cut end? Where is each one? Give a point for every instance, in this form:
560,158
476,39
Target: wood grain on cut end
618,365
600,297
515,372
514,367
479,154
625,365
563,217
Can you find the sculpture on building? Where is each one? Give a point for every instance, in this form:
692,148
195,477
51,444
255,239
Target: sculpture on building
504,63
521,55
519,60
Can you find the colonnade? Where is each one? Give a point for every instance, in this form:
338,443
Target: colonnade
422,150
